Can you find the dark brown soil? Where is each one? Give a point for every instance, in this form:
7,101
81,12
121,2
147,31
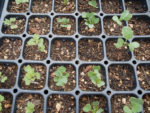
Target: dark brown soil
60,7
120,54
146,105
9,70
63,50
10,48
39,25
111,6
41,6
85,82
23,99
61,104
57,29
88,99
33,53
121,77
90,50
85,30
135,6
71,79
85,7
37,84
140,25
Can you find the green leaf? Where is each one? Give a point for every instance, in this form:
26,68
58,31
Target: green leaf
96,68
126,16
133,45
13,27
21,1
100,110
3,79
136,108
1,98
119,43
12,19
134,100
126,109
127,32
87,108
96,103
7,22
84,15
116,19
29,108
93,3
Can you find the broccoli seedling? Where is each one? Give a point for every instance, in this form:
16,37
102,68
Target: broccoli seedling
9,22
65,2
61,77
21,1
135,105
90,19
29,108
36,40
94,108
1,100
93,3
30,75
64,22
95,76
3,78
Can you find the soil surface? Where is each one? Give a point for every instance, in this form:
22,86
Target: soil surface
60,7
61,104
108,6
63,50
146,104
85,82
121,77
41,6
88,99
57,29
35,99
83,6
10,48
37,84
120,54
33,53
71,79
90,50
39,25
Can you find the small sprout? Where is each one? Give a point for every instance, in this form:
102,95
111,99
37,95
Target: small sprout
3,78
135,106
64,22
1,100
66,2
93,3
29,108
61,77
94,108
8,22
90,19
21,1
36,40
95,76
30,75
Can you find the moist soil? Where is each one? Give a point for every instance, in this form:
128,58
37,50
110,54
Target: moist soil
111,6
63,50
41,6
71,79
39,25
23,99
83,6
37,84
85,82
60,7
10,48
146,104
33,53
57,29
120,54
88,99
61,104
90,50
121,77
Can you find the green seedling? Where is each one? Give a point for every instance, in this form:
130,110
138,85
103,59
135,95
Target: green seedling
21,1
64,22
9,22
30,75
93,3
66,2
3,78
61,77
94,108
29,108
135,105
1,100
36,40
90,19
95,76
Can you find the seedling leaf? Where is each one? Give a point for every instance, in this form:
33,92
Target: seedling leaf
87,108
3,78
127,32
133,45
29,108
116,19
119,43
9,22
93,3
126,109
126,16
1,100
64,22
13,26
21,1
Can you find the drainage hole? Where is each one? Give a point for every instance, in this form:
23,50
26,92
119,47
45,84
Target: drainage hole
103,36
105,62
139,92
77,62
45,92
48,61
20,61
15,90
134,62
108,92
50,36
77,92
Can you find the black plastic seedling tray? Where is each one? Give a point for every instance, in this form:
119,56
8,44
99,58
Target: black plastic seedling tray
108,92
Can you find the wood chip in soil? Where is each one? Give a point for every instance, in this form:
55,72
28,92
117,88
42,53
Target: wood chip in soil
63,50
10,48
85,82
57,29
60,7
37,84
120,54
90,50
41,6
146,105
61,104
33,53
71,79
121,77
23,99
